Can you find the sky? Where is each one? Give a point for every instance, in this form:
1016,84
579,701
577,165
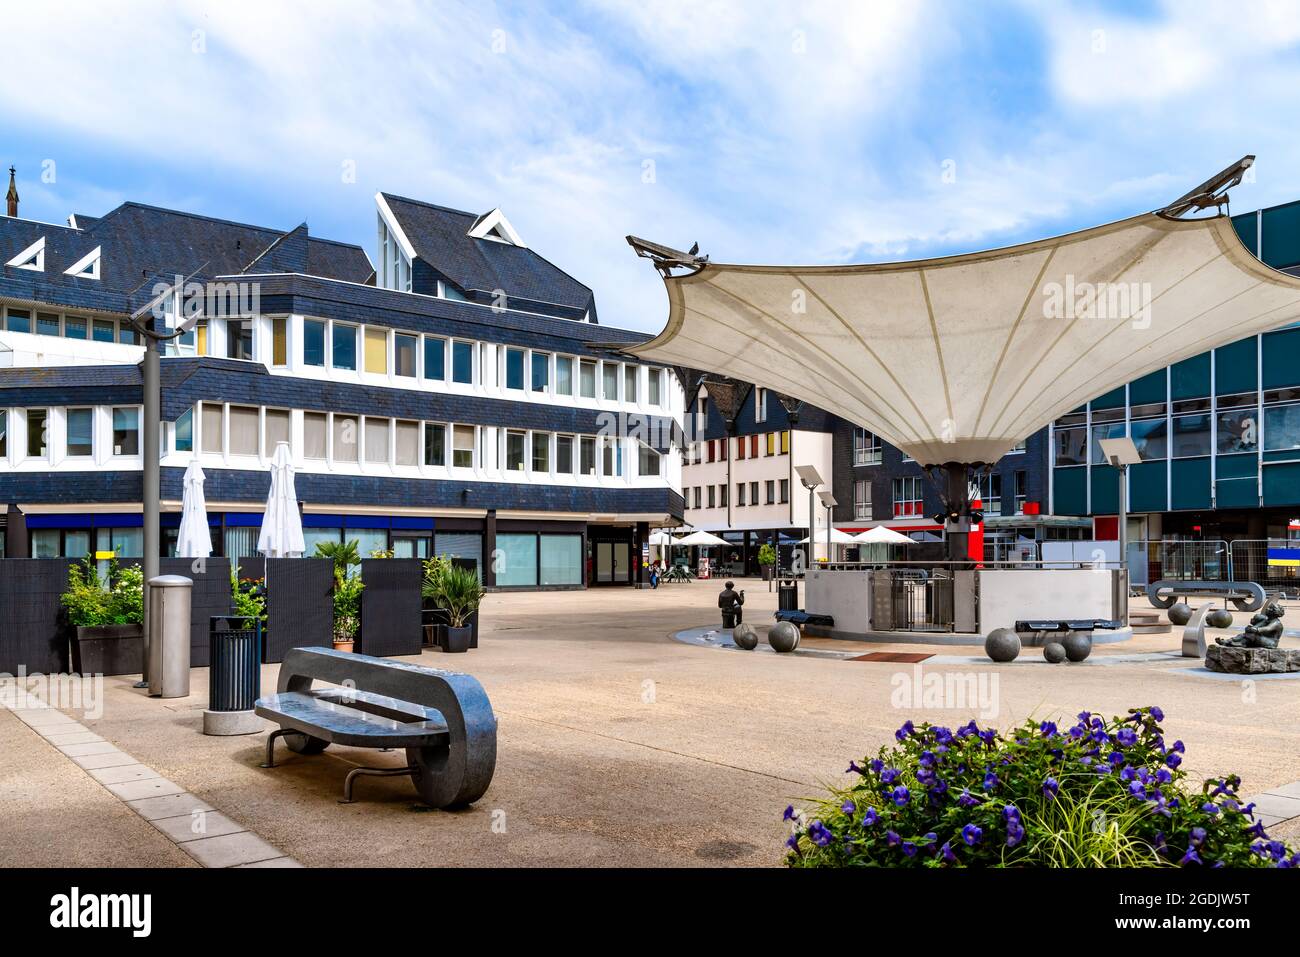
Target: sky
767,132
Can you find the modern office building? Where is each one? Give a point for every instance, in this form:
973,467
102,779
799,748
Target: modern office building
1219,433
740,479
458,399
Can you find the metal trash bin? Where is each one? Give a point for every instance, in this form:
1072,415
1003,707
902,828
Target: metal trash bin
168,651
787,594
234,675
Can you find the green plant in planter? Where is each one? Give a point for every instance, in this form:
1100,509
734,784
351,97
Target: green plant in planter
1096,794
431,583
766,554
347,606
382,553
248,595
343,555
460,593
92,601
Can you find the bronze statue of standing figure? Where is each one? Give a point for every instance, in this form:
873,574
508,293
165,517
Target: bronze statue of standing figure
1264,630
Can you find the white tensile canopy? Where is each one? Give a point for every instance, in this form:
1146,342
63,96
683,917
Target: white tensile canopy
194,538
281,534
956,360
701,538
880,535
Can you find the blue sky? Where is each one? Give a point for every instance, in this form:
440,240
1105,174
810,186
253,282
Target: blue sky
767,132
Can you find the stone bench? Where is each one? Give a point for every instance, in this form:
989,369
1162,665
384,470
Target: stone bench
443,719
1251,661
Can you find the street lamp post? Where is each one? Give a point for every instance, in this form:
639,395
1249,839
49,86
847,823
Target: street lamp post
828,500
810,478
1122,453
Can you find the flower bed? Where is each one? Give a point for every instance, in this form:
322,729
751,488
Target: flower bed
1097,794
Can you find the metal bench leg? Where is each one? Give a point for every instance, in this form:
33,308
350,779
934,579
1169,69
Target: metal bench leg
375,772
270,747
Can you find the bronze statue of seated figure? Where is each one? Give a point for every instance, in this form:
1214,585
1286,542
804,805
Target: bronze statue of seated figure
1264,630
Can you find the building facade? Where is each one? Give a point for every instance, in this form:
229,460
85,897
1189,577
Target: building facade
1218,434
459,398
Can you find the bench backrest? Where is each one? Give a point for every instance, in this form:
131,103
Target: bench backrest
464,705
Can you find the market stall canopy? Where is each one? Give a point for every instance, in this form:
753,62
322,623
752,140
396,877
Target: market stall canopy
958,359
880,535
837,537
701,538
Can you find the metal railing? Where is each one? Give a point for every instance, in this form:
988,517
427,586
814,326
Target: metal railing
1251,561
922,604
1200,560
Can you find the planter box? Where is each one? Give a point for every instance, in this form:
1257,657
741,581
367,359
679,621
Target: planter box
109,650
458,639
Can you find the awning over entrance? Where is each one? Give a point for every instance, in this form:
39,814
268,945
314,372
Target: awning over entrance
958,359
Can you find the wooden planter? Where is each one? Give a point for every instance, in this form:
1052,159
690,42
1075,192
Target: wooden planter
108,650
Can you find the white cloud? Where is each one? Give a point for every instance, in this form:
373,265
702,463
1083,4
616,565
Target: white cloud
777,132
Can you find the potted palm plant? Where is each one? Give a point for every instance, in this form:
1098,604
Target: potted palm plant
460,593
347,591
431,595
108,614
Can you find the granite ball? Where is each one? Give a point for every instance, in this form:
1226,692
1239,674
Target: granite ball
745,637
1077,645
1219,618
1180,614
783,637
1002,644
1054,652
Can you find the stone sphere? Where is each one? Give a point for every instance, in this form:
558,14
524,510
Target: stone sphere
1002,644
783,636
1054,652
745,637
1219,618
1077,645
1180,614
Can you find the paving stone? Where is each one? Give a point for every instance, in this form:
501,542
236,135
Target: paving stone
151,787
181,828
94,747
76,737
171,805
230,850
1277,806
107,759
1291,790
273,862
50,730
123,773
43,718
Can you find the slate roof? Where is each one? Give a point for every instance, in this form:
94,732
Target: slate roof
141,245
440,237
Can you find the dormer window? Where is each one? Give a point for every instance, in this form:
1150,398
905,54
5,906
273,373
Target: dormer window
394,264
87,267
33,257
496,228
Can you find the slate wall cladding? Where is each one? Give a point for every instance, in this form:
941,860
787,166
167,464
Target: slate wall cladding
73,488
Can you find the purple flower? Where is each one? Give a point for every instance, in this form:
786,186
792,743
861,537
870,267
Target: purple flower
888,776
990,781
1173,759
1178,746
870,817
1160,846
902,733
909,849
927,759
892,838
876,764
1197,836
853,768
971,834
1015,833
1084,715
900,795
1163,775
819,834
1048,729
1191,857
1209,807
1050,788
789,814
942,736
948,856
1126,737
967,799
1011,813
848,807
1157,714
792,842
1116,758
